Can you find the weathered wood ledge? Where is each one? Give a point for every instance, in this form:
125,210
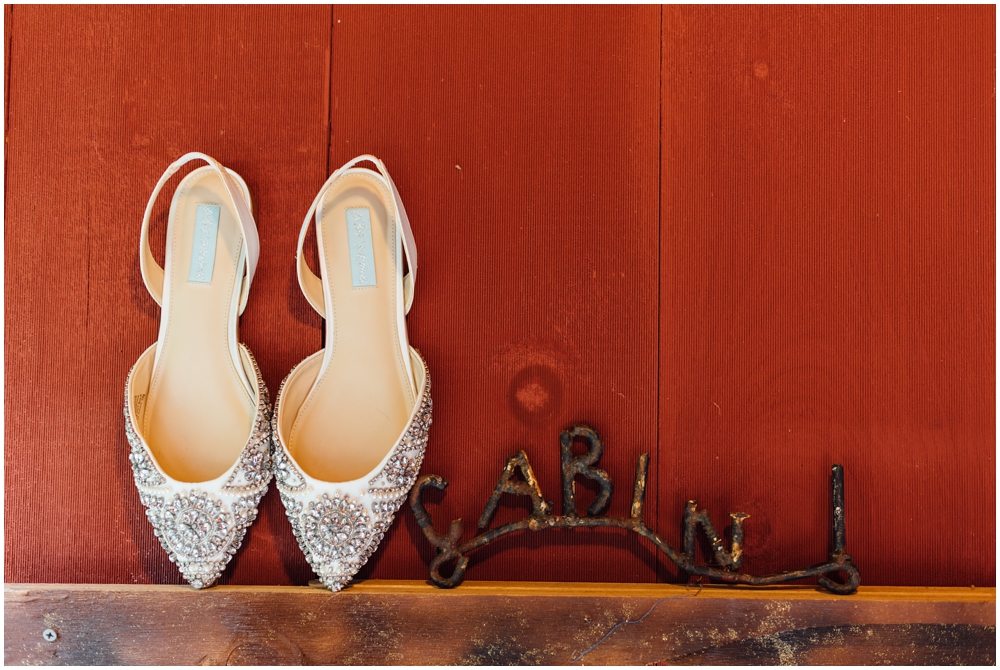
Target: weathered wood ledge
496,623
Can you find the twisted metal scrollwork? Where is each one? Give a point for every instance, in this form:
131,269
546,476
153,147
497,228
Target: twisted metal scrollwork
450,547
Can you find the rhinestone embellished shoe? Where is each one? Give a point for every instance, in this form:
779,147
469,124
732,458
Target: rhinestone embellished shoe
197,413
350,422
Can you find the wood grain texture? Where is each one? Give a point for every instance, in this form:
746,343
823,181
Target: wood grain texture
524,143
750,241
106,98
495,624
8,13
827,282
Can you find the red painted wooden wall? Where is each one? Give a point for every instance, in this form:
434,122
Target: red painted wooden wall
752,241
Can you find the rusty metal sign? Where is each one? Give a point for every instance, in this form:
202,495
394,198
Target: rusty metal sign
451,548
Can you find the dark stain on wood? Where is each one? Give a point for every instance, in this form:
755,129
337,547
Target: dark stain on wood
483,623
872,644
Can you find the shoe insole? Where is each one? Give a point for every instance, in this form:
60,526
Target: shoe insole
362,396
200,406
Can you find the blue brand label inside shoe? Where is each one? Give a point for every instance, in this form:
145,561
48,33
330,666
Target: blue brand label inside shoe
206,231
359,242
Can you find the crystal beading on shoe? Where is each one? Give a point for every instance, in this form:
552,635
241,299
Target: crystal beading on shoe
340,525
202,525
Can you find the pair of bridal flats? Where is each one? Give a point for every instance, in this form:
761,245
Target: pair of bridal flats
349,425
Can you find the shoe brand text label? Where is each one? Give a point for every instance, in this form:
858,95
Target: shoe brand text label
359,241
206,232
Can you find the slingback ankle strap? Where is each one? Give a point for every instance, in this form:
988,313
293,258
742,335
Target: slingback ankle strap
312,286
152,273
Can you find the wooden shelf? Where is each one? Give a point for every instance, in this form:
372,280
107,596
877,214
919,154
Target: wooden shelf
496,623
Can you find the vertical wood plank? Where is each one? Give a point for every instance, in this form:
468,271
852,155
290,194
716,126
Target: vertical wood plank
106,98
524,143
8,32
828,266
8,20
820,287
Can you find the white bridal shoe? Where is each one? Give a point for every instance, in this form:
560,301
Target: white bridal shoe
196,409
350,422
